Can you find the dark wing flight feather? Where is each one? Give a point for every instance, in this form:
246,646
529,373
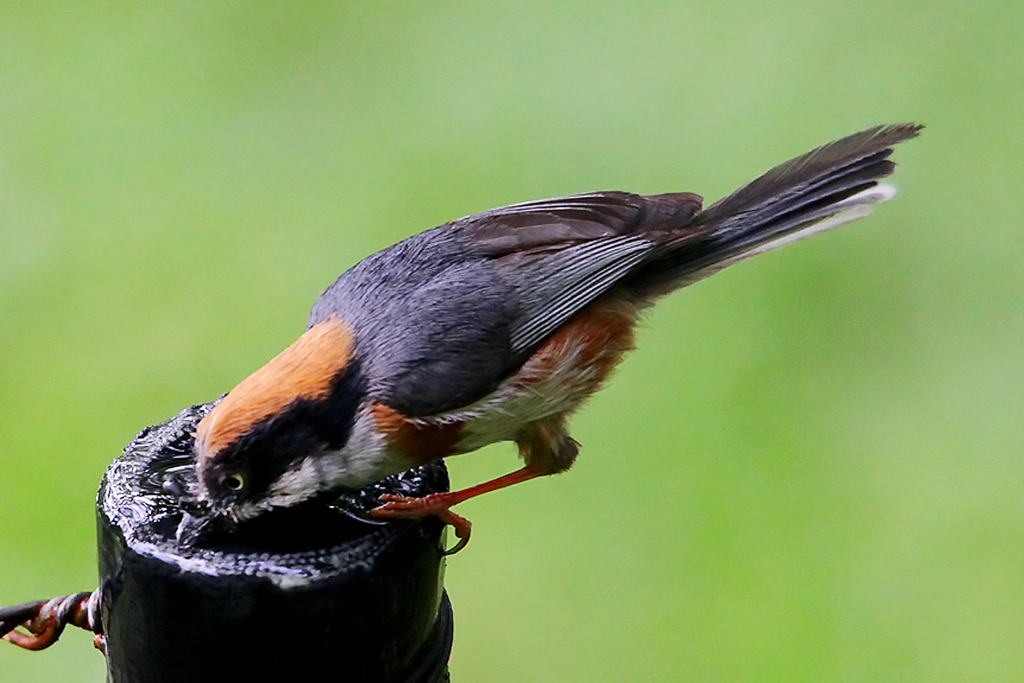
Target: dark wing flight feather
562,254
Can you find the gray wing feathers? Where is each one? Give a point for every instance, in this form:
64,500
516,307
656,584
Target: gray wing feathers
552,223
562,254
561,285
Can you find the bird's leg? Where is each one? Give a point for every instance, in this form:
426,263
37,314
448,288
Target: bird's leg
439,504
545,446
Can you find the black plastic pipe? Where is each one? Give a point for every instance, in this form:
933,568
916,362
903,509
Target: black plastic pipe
309,593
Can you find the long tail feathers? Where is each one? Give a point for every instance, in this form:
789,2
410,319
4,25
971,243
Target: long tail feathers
822,189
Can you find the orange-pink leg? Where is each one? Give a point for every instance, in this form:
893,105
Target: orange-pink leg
439,504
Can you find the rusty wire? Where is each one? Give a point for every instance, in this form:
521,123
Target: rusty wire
45,620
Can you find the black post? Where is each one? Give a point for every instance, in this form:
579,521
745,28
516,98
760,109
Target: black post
312,593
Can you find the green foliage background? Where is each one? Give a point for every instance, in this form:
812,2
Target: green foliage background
810,470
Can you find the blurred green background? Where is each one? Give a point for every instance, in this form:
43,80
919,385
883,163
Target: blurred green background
810,470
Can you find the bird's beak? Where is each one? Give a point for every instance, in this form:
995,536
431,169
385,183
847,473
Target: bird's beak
191,528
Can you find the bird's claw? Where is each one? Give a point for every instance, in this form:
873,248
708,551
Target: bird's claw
437,505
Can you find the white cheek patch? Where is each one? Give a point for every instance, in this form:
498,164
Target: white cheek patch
297,485
363,460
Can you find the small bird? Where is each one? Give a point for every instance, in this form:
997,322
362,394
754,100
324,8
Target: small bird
496,327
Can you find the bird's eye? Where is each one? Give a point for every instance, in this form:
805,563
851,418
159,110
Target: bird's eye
233,482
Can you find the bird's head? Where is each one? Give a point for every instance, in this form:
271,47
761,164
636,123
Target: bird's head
268,442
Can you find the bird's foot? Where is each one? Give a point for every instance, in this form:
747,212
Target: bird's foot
436,504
